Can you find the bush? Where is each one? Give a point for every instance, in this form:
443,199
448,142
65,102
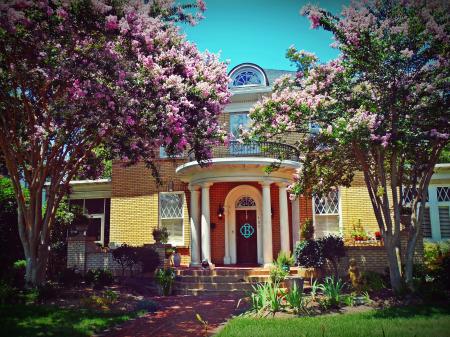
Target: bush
99,278
284,259
147,305
149,259
164,278
296,300
126,256
18,273
161,235
46,291
267,296
332,248
277,274
7,293
70,277
309,254
373,281
332,290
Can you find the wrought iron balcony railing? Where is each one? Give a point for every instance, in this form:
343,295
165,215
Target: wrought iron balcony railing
254,149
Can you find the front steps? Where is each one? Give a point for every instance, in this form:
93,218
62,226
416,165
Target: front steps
221,280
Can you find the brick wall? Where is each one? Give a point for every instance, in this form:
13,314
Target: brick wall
135,202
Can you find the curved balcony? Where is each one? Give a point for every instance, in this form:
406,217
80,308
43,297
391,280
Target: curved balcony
271,150
243,162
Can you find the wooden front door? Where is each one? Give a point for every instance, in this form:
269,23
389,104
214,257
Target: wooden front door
246,242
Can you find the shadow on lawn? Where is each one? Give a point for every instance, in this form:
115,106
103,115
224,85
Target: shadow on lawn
30,320
412,311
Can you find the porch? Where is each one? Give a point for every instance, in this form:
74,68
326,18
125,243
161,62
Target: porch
239,214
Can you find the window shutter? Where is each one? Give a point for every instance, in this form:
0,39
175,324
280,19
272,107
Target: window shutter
426,224
444,221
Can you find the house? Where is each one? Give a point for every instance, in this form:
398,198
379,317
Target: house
232,212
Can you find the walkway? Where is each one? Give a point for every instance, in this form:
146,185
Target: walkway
177,317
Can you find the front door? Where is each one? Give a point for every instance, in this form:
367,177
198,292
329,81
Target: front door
246,242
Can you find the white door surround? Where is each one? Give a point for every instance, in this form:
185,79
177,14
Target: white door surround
230,220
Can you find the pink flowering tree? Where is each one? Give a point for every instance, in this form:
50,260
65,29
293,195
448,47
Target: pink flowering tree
79,75
382,108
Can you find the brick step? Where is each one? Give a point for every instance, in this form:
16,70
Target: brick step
210,279
242,286
197,292
215,272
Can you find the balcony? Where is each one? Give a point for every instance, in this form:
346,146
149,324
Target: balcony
243,162
270,150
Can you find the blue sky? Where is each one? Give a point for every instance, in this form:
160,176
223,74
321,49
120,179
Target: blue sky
260,31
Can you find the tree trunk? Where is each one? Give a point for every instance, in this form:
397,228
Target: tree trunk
35,270
393,257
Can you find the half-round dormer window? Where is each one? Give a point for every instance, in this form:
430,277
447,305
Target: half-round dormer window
247,74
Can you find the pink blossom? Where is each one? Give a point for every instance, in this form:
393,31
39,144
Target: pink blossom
62,13
111,22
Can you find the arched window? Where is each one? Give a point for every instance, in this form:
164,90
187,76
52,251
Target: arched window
246,75
245,201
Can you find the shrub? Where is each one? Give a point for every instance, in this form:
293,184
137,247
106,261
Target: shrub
433,251
267,296
70,277
161,235
149,259
332,248
99,278
309,254
7,293
277,275
18,273
164,278
147,305
46,291
96,302
111,296
373,281
307,229
126,256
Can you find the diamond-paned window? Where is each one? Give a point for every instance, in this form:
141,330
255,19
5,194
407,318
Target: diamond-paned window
328,204
443,194
245,202
409,194
171,215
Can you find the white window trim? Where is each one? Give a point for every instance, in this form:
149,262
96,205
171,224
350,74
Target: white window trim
338,215
182,241
102,227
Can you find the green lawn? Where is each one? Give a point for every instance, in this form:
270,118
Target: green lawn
36,320
423,321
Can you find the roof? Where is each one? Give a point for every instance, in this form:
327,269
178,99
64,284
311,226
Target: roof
273,74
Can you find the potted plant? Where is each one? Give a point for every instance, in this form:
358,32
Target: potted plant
307,230
378,235
285,261
161,235
164,278
176,258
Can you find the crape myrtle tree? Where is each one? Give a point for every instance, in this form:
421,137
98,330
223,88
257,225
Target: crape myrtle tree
382,108
76,76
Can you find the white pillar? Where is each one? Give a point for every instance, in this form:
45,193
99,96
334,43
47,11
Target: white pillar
227,257
434,213
206,226
267,225
295,221
195,226
284,218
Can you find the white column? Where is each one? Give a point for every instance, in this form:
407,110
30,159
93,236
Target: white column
267,225
295,221
227,257
206,226
284,218
434,213
195,226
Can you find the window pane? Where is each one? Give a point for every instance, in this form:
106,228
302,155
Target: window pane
237,121
443,194
175,228
444,221
94,206
171,205
326,224
328,204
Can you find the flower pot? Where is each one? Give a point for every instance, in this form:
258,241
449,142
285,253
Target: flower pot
291,280
286,268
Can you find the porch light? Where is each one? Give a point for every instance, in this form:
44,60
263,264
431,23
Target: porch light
220,212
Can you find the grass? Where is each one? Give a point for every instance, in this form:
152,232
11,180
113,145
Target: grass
419,321
39,320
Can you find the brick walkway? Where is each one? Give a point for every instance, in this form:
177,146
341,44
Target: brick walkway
176,317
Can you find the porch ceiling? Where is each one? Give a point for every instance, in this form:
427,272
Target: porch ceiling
236,169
